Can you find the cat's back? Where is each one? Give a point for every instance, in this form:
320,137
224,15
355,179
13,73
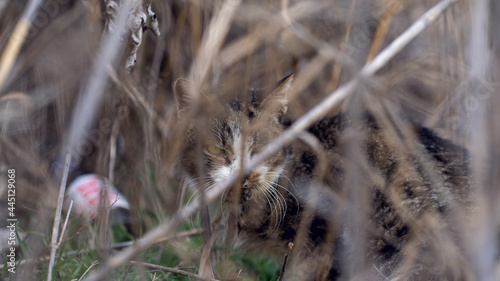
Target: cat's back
387,198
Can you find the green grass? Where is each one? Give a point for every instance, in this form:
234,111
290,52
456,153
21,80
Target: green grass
260,267
76,255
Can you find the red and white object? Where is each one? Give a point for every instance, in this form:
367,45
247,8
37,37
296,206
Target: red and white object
85,191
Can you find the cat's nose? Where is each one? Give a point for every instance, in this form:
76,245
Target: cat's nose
250,179
246,184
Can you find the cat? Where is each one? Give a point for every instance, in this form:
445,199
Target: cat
359,198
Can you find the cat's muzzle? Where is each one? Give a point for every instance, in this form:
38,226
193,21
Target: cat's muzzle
245,192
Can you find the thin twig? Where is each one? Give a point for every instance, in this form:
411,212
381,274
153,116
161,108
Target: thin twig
173,270
125,272
283,269
16,41
65,223
334,99
91,97
57,219
382,28
88,269
181,235
138,99
406,37
479,135
205,268
380,272
112,150
212,41
337,68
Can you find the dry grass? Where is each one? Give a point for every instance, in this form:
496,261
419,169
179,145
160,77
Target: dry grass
66,88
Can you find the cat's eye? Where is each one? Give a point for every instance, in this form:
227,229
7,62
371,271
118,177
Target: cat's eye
213,149
258,149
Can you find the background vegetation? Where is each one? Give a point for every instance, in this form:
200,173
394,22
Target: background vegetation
445,79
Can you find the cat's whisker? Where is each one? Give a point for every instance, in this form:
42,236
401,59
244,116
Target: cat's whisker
280,200
194,182
283,213
277,209
281,197
270,200
285,207
282,204
270,186
187,185
287,190
209,184
276,175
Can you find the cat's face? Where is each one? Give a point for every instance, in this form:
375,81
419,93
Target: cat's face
228,132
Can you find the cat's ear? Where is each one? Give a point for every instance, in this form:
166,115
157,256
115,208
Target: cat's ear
278,98
185,92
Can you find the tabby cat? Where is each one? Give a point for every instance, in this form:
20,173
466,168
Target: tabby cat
361,199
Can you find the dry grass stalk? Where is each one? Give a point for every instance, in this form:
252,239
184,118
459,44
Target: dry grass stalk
140,101
86,271
57,218
485,233
382,29
205,268
212,41
337,69
65,223
92,95
172,270
16,41
285,261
